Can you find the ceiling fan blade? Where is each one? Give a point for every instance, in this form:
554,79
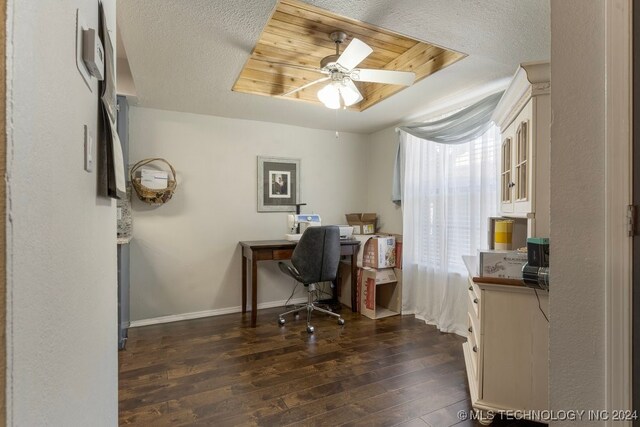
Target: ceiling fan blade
354,54
404,78
350,93
324,79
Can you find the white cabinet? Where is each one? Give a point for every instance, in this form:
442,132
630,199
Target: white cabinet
506,353
507,348
524,118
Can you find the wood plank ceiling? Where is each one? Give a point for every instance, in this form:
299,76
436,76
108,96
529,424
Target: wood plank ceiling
298,35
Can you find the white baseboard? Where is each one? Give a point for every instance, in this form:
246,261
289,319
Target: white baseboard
209,313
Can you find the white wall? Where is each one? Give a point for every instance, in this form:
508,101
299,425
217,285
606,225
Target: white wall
62,308
382,156
577,296
185,256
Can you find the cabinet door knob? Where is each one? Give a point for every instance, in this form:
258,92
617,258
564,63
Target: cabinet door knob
475,300
475,348
470,329
470,287
512,184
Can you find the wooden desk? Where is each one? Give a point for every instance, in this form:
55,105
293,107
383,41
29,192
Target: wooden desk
278,250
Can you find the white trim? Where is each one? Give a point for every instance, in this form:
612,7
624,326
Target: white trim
531,79
618,158
10,284
209,313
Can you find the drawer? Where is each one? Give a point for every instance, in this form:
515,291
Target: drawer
273,254
474,303
475,349
280,254
473,327
473,286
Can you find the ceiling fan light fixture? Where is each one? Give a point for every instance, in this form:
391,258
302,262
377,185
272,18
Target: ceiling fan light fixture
330,96
349,92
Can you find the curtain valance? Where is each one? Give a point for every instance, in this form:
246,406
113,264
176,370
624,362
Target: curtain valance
463,126
457,128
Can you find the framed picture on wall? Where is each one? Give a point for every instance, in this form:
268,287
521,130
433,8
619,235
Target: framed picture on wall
278,184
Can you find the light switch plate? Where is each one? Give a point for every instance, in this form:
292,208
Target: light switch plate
88,150
82,68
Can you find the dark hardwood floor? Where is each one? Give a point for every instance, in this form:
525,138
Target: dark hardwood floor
220,372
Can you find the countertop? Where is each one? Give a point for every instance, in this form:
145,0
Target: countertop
471,262
124,240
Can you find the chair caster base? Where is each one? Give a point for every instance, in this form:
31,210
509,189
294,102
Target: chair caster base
340,321
310,329
281,321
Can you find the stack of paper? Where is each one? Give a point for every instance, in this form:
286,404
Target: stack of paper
154,179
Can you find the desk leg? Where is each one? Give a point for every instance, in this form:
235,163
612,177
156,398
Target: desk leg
244,284
254,290
354,281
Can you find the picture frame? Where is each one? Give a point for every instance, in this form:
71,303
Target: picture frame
278,184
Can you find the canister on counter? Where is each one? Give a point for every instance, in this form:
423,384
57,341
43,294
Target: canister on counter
503,234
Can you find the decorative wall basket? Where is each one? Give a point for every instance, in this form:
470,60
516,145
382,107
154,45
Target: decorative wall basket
151,195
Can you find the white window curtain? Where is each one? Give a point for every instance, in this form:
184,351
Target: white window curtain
448,193
458,127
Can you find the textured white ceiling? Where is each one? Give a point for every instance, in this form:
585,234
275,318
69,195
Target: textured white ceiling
186,55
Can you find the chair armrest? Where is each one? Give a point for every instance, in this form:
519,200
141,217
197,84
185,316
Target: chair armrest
289,270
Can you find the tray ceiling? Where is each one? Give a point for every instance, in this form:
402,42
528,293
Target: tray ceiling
298,34
186,55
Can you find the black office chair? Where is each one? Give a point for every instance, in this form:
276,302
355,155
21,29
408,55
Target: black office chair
315,259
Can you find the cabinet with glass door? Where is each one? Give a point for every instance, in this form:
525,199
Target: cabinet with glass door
518,165
524,117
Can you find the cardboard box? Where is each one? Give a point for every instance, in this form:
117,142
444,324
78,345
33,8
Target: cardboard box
363,223
379,252
344,287
381,293
398,250
344,290
504,264
398,272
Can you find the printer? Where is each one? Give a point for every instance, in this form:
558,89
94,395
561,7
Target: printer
297,223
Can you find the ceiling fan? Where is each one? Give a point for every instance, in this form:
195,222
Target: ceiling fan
341,74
